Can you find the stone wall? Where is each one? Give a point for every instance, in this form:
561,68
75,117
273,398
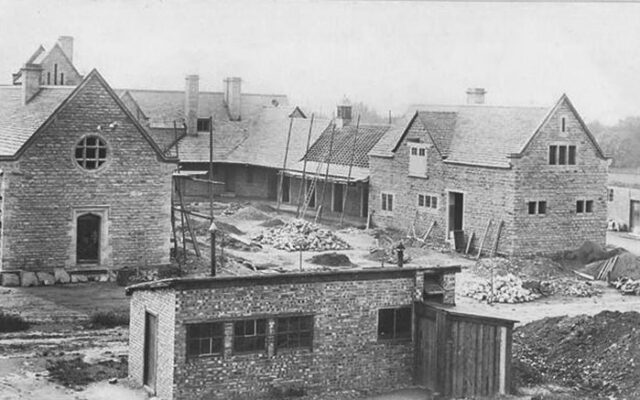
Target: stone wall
501,194
46,190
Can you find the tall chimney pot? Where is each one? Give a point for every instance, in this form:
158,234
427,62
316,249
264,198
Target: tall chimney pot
66,44
31,76
343,117
475,95
191,98
233,97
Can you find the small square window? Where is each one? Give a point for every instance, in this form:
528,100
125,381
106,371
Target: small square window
203,124
434,202
572,155
580,206
414,151
562,155
294,332
552,154
387,202
420,200
422,152
532,207
394,323
588,206
542,207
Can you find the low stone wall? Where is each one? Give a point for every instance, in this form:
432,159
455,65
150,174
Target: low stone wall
58,276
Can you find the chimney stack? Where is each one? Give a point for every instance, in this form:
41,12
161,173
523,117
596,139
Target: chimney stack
191,97
31,76
232,97
66,44
343,117
475,95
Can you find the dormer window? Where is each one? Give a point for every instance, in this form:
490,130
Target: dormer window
417,159
204,124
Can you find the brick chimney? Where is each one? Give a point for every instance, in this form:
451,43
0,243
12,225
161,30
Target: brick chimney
191,95
232,97
475,95
343,117
66,44
31,76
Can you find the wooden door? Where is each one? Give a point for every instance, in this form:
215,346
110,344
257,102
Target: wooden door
88,238
426,353
456,211
634,218
150,351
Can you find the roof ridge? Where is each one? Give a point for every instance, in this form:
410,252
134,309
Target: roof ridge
201,92
417,106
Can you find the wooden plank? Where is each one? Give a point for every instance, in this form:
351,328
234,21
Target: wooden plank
448,364
484,237
441,350
503,360
496,365
497,239
460,360
508,359
470,368
491,356
466,251
426,235
479,358
454,361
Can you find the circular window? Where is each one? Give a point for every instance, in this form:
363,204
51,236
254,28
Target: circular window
91,152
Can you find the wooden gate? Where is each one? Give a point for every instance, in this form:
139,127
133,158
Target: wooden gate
460,355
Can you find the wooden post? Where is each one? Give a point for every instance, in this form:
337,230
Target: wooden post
486,230
353,155
213,253
284,164
495,242
326,175
466,251
210,186
304,169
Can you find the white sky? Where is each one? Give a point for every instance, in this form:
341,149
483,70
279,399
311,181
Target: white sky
386,54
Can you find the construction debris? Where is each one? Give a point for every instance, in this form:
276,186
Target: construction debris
627,285
299,235
502,289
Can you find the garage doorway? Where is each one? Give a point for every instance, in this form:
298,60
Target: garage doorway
88,238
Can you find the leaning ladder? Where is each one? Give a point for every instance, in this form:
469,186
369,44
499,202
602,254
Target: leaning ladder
310,191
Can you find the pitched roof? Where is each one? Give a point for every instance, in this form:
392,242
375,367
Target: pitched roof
473,134
165,106
343,151
18,122
266,142
40,56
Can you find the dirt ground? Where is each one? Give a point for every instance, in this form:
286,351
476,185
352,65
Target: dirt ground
59,314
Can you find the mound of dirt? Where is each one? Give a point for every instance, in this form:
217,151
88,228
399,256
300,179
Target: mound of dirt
331,259
589,252
250,213
272,222
228,228
597,356
627,266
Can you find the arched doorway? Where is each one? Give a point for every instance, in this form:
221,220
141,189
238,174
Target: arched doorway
88,238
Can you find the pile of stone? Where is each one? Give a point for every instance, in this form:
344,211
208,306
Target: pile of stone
627,285
503,289
56,276
571,287
298,235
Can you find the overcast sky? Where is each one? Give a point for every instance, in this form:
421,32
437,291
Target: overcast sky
386,54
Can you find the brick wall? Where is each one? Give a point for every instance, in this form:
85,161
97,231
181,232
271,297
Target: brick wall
501,194
162,305
45,188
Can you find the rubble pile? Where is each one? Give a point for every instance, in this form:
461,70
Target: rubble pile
503,289
572,287
596,356
298,235
627,285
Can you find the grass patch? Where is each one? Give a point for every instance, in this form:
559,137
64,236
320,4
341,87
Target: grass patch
108,319
12,323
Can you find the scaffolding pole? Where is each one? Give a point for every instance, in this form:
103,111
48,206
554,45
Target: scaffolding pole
284,164
304,169
353,156
210,186
326,175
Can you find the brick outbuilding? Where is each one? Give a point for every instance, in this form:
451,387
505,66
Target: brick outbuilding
255,336
535,177
83,184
